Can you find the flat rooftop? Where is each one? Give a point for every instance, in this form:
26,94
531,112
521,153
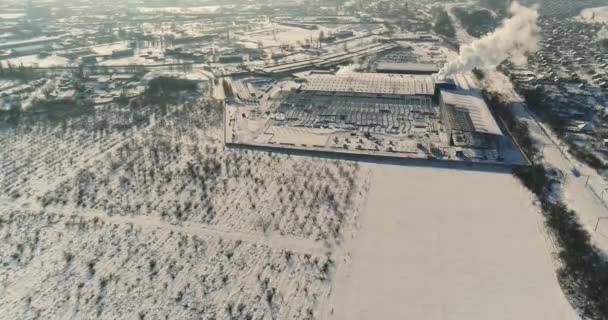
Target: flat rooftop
468,112
408,67
370,83
29,42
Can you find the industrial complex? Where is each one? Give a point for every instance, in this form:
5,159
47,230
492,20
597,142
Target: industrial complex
392,115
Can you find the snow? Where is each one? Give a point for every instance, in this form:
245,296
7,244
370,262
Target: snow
130,213
437,243
122,268
6,84
480,114
35,60
11,16
180,10
283,35
594,15
144,213
54,60
125,212
583,190
299,136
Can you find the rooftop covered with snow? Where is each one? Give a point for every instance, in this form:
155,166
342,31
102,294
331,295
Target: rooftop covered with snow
468,112
371,83
411,68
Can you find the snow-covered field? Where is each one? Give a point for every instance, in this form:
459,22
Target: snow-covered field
6,84
284,35
55,60
36,61
81,266
144,214
141,212
449,244
594,15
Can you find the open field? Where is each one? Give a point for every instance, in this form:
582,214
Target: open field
140,212
594,15
440,244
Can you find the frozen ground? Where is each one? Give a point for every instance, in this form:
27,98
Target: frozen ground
142,213
284,35
6,84
36,61
55,60
448,244
594,15
82,266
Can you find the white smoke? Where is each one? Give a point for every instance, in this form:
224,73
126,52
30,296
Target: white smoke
603,34
515,39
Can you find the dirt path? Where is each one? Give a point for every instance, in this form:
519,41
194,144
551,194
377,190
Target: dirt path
149,223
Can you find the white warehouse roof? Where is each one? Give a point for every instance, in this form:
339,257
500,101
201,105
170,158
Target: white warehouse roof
371,83
473,108
408,67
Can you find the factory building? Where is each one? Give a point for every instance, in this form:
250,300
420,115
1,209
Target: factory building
467,120
230,58
369,84
407,68
121,53
343,34
464,115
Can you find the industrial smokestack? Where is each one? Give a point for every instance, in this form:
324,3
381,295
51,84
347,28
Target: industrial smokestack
517,38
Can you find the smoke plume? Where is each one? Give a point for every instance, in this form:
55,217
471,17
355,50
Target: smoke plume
603,33
602,36
515,39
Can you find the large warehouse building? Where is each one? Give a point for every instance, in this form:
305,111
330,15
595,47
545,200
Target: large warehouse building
407,68
464,115
369,84
467,120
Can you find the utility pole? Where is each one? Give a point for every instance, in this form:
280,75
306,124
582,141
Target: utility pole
598,222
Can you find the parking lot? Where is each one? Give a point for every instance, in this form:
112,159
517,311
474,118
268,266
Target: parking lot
387,115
